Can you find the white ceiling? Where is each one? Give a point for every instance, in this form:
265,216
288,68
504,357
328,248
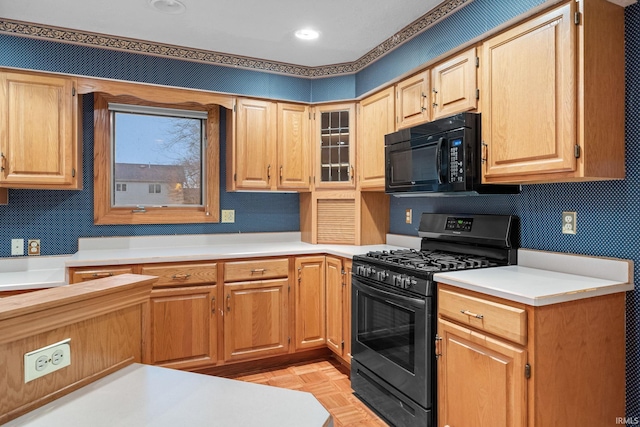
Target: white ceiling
261,29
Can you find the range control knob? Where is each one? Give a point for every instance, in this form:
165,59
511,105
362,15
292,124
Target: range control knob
382,275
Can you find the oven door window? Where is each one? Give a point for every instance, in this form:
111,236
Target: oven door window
388,329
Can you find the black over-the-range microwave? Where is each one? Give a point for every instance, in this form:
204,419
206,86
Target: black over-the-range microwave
442,157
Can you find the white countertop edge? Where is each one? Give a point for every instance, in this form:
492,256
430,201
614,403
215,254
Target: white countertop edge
530,286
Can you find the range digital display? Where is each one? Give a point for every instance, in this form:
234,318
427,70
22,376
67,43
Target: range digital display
456,143
458,224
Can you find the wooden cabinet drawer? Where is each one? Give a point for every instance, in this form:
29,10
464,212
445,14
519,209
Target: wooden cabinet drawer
99,273
256,270
182,274
495,318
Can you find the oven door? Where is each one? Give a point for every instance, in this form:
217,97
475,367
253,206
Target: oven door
393,337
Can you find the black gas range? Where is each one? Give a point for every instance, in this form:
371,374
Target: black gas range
394,310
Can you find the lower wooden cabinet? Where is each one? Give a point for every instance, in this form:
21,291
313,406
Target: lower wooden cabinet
482,381
338,288
183,327
310,302
503,363
256,321
210,313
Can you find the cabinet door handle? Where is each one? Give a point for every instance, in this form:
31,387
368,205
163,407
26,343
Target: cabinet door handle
485,149
269,173
109,274
468,313
183,276
228,302
3,158
352,172
438,346
213,305
280,174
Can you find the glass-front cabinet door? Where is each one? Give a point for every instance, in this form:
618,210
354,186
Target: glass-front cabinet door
335,143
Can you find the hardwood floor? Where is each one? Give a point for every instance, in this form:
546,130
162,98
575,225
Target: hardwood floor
329,382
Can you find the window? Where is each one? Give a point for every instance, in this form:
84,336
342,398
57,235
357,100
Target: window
157,147
157,161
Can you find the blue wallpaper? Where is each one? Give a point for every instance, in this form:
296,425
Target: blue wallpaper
607,212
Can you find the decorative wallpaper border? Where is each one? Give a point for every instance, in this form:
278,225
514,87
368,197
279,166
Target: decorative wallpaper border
131,45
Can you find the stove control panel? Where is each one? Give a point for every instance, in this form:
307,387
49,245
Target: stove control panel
391,278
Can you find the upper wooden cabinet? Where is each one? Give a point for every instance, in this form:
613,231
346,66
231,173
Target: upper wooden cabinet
412,100
251,159
39,131
271,147
375,119
553,97
293,147
455,86
334,136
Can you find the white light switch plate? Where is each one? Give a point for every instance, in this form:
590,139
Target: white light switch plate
17,247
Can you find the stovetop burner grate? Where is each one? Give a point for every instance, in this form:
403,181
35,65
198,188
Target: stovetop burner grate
431,260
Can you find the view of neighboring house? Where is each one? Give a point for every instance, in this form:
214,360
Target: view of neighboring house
138,184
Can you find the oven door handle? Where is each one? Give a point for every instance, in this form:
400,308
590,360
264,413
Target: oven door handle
390,296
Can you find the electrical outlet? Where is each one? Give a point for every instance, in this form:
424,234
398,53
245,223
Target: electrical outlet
33,247
407,215
17,247
568,222
45,360
228,215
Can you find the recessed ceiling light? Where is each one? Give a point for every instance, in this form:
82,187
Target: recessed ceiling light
168,6
307,34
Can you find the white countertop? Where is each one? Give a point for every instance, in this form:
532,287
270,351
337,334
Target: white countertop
540,277
543,278
142,395
45,272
